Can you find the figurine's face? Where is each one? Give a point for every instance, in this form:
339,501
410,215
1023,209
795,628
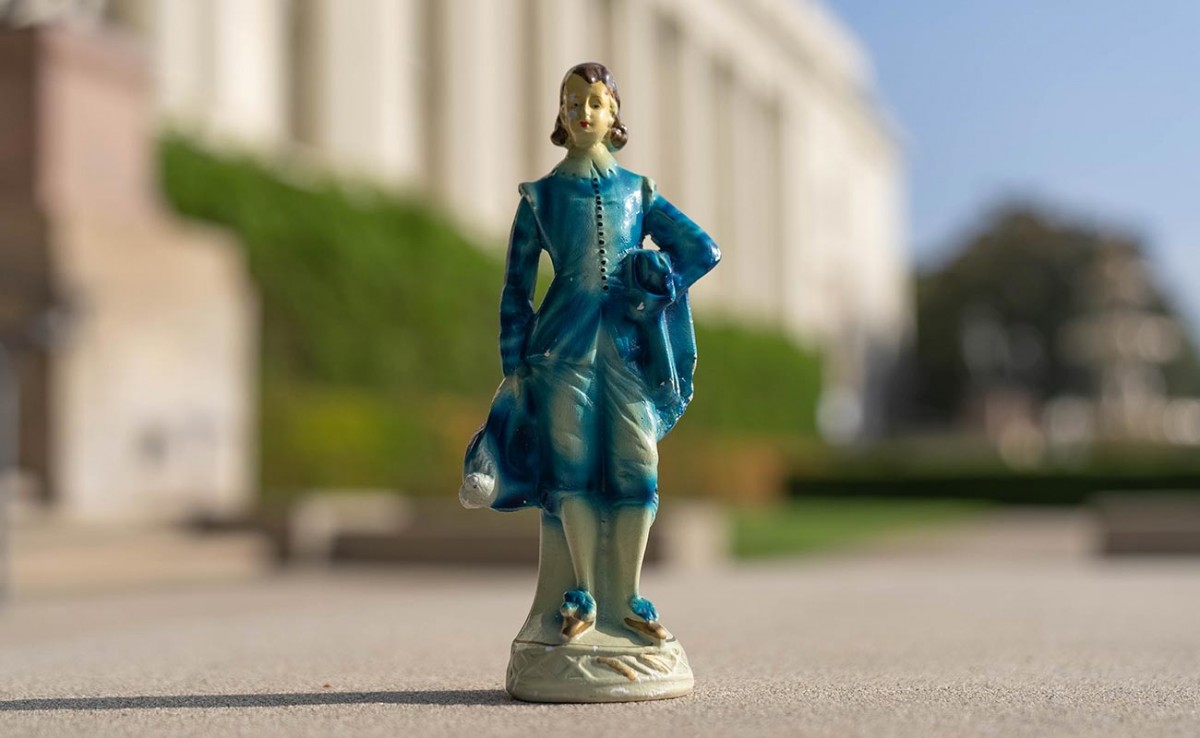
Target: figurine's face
588,112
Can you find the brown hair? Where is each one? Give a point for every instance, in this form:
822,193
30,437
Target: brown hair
592,72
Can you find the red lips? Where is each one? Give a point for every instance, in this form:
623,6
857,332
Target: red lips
584,124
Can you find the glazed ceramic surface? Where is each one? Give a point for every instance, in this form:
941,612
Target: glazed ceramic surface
593,379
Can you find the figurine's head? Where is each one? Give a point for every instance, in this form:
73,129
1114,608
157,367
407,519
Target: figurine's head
589,110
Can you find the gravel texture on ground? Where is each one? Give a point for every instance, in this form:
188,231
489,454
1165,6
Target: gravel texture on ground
882,644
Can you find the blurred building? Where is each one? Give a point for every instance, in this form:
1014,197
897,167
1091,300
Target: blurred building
755,116
1127,342
127,337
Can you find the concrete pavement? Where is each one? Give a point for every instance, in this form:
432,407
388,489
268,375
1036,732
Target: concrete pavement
892,643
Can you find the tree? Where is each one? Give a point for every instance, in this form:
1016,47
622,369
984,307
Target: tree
997,314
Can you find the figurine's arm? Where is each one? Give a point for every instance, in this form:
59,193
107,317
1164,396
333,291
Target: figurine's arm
520,279
693,252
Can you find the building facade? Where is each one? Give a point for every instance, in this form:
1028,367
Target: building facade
127,337
755,116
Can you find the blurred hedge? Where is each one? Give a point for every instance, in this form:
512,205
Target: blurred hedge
379,322
970,468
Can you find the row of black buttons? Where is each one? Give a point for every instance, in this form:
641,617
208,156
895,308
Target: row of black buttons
600,234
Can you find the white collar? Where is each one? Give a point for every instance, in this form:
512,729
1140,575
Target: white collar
595,162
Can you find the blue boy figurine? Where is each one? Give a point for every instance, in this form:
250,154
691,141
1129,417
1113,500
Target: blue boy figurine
594,378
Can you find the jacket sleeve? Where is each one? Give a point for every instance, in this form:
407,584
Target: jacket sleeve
520,279
693,253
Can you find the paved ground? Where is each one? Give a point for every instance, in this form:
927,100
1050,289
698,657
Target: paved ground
907,641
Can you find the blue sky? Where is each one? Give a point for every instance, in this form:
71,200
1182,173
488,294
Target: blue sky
1090,105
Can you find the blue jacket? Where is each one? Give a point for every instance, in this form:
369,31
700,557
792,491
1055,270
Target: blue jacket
593,229
588,227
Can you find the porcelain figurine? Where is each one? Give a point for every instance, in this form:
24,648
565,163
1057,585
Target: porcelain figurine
593,380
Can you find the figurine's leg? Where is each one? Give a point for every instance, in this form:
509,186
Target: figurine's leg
632,479
569,433
581,526
631,531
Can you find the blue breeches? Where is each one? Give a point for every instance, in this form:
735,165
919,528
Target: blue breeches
598,430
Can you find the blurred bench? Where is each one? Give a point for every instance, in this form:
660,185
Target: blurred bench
1149,523
375,526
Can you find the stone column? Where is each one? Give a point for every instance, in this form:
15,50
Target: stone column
183,58
488,86
370,82
773,231
634,42
719,284
747,272
819,165
795,201
478,140
220,65
696,128
248,83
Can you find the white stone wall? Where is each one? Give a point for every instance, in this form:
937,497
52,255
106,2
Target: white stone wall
754,115
153,392
142,401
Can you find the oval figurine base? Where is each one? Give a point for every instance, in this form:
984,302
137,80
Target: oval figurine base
608,662
578,672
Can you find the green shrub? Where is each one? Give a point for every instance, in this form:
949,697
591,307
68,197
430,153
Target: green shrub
358,288
810,525
754,382
970,468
